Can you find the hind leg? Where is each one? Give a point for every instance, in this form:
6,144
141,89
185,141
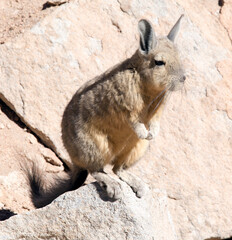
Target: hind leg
93,157
127,159
137,185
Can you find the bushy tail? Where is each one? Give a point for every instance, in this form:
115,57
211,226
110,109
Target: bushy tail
42,194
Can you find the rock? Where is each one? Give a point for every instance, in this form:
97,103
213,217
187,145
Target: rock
17,16
17,148
56,67
226,17
191,158
32,139
88,214
51,157
2,126
56,2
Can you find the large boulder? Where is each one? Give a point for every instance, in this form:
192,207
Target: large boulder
42,69
88,214
191,158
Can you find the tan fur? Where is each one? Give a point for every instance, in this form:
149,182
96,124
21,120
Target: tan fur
111,119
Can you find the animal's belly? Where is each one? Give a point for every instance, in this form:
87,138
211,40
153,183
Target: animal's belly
111,139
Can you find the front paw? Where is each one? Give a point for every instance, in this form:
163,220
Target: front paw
153,130
140,190
141,131
150,136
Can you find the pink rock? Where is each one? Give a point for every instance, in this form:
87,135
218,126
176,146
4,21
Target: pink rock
226,17
191,158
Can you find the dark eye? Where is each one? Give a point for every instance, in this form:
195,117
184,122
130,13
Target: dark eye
159,63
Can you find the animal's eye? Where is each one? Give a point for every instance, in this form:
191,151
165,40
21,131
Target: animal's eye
159,63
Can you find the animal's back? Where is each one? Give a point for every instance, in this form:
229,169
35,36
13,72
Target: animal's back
111,119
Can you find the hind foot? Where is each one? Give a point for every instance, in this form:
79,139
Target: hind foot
110,185
137,185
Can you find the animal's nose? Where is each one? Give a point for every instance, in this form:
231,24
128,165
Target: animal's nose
183,79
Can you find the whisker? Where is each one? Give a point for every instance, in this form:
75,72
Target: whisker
185,90
168,96
158,104
181,93
157,97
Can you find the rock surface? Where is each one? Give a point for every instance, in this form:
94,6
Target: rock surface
75,48
18,16
226,16
88,214
17,147
192,157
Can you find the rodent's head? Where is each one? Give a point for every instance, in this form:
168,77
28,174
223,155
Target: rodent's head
160,66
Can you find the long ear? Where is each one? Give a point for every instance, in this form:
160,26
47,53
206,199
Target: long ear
147,37
173,33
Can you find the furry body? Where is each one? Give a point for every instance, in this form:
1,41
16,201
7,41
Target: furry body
111,119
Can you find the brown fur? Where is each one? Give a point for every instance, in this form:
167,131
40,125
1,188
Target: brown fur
111,119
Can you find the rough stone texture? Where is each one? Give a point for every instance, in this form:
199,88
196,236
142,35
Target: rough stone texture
226,16
17,147
191,158
76,49
18,16
82,214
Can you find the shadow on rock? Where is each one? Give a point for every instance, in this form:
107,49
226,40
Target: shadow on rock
5,214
